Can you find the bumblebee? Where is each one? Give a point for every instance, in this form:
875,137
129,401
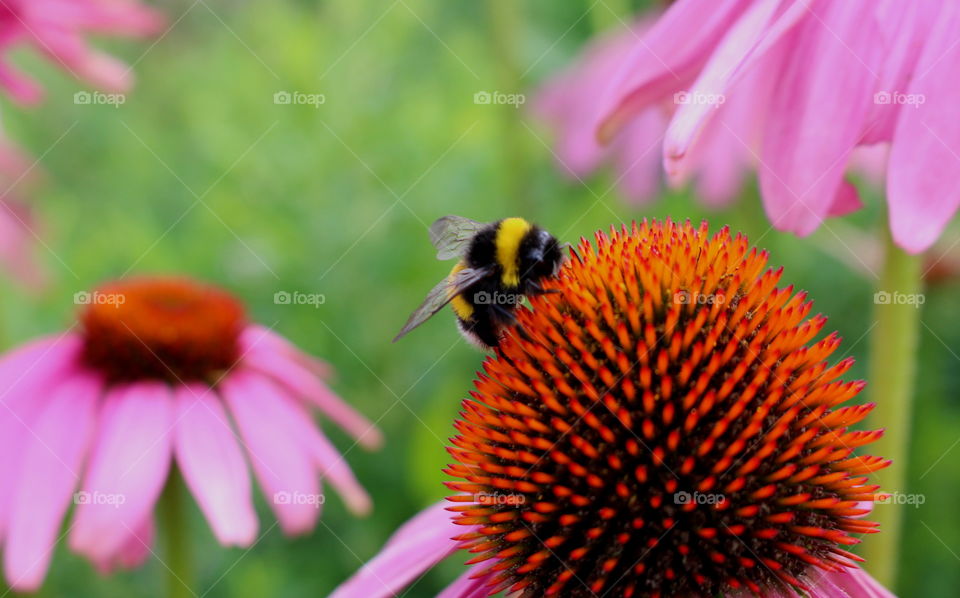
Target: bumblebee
499,263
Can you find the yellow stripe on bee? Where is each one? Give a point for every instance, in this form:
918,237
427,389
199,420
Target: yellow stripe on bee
510,234
460,306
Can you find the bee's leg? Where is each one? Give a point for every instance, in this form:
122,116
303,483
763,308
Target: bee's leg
534,288
507,318
504,314
523,333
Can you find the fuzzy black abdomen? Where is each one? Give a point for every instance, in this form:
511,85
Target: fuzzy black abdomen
493,306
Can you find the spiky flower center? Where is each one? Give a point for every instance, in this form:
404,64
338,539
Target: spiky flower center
662,425
162,328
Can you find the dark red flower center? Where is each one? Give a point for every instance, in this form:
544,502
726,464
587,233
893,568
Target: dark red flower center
162,328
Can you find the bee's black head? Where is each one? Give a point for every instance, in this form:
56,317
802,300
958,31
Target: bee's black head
540,255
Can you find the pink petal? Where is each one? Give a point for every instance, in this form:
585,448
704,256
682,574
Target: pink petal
729,144
70,49
722,169
417,546
57,27
850,583
115,18
571,102
52,462
330,463
637,151
305,384
45,355
128,468
847,200
213,465
904,28
669,56
925,157
435,516
468,585
135,550
870,161
256,337
728,62
334,467
817,113
724,144
21,88
18,241
26,376
284,469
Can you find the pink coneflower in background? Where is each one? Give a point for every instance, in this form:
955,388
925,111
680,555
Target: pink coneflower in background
159,372
817,78
56,28
574,102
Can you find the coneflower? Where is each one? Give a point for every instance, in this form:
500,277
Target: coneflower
158,375
663,423
57,29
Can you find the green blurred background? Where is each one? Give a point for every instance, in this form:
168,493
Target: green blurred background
200,172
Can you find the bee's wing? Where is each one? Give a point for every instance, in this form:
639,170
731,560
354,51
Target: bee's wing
440,295
452,234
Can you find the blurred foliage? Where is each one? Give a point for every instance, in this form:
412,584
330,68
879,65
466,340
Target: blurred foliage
200,173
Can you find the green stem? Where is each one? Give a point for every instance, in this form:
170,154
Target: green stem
893,353
505,24
609,14
177,548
